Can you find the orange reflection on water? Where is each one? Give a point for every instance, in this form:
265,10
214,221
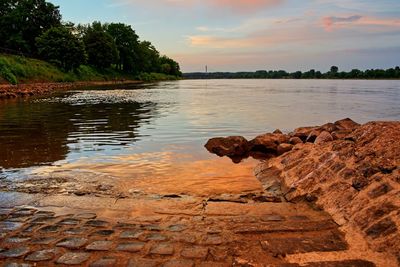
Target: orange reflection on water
166,173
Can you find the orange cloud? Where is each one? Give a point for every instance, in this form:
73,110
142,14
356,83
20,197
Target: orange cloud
332,23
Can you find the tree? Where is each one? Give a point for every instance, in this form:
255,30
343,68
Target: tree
100,46
170,67
148,57
127,45
21,21
60,46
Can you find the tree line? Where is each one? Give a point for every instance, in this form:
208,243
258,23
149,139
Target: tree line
35,28
333,73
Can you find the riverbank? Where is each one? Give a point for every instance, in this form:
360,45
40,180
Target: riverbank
349,170
8,91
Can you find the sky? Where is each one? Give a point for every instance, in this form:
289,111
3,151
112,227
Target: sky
249,35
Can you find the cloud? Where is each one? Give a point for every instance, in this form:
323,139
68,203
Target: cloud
331,23
236,6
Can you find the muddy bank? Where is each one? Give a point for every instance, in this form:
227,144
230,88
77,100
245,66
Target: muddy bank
8,91
351,171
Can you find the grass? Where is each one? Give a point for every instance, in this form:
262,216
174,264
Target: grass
18,69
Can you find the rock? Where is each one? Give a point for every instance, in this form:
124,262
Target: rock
329,127
303,132
73,258
268,143
277,131
323,137
346,124
233,146
355,178
283,148
313,136
295,141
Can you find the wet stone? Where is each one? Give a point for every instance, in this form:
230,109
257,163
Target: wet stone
30,228
86,216
195,253
73,258
104,262
125,225
162,249
50,229
131,234
152,227
130,246
96,223
43,255
43,220
143,263
213,240
24,212
179,263
104,232
5,211
14,252
154,237
100,245
16,240
44,240
69,222
177,228
9,226
44,213
17,264
272,218
72,243
76,231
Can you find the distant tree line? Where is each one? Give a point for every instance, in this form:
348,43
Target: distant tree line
334,73
35,28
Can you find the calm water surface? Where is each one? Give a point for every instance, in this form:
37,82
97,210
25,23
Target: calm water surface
152,136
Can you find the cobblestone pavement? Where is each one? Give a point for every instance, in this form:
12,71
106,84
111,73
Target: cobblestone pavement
39,237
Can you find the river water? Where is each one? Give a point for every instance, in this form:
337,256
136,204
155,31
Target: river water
150,137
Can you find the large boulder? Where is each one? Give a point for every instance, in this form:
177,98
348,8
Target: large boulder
346,124
303,132
268,143
233,146
323,137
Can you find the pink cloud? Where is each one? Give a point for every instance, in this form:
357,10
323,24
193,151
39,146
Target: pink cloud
331,23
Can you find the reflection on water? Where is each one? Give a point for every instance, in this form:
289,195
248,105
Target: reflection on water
152,136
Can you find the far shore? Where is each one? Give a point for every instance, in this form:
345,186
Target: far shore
8,91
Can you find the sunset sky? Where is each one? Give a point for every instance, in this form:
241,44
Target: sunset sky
229,35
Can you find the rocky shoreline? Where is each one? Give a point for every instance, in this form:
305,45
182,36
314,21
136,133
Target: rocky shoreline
8,91
349,170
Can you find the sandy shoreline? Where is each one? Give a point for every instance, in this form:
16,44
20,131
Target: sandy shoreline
8,91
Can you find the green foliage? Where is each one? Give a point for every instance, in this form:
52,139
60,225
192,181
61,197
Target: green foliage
100,46
21,21
6,73
151,77
169,66
60,46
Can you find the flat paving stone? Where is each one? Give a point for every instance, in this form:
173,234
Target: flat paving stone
104,233
70,222
17,264
294,245
131,234
186,238
7,226
72,243
100,245
162,249
16,240
179,263
96,223
104,262
285,226
195,252
44,240
86,216
154,237
152,227
131,246
213,240
177,228
73,258
143,263
14,252
42,255
77,231
50,229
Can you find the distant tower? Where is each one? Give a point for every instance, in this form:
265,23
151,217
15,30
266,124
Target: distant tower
206,69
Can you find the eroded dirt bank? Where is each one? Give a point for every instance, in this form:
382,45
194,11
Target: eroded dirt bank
351,171
22,90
